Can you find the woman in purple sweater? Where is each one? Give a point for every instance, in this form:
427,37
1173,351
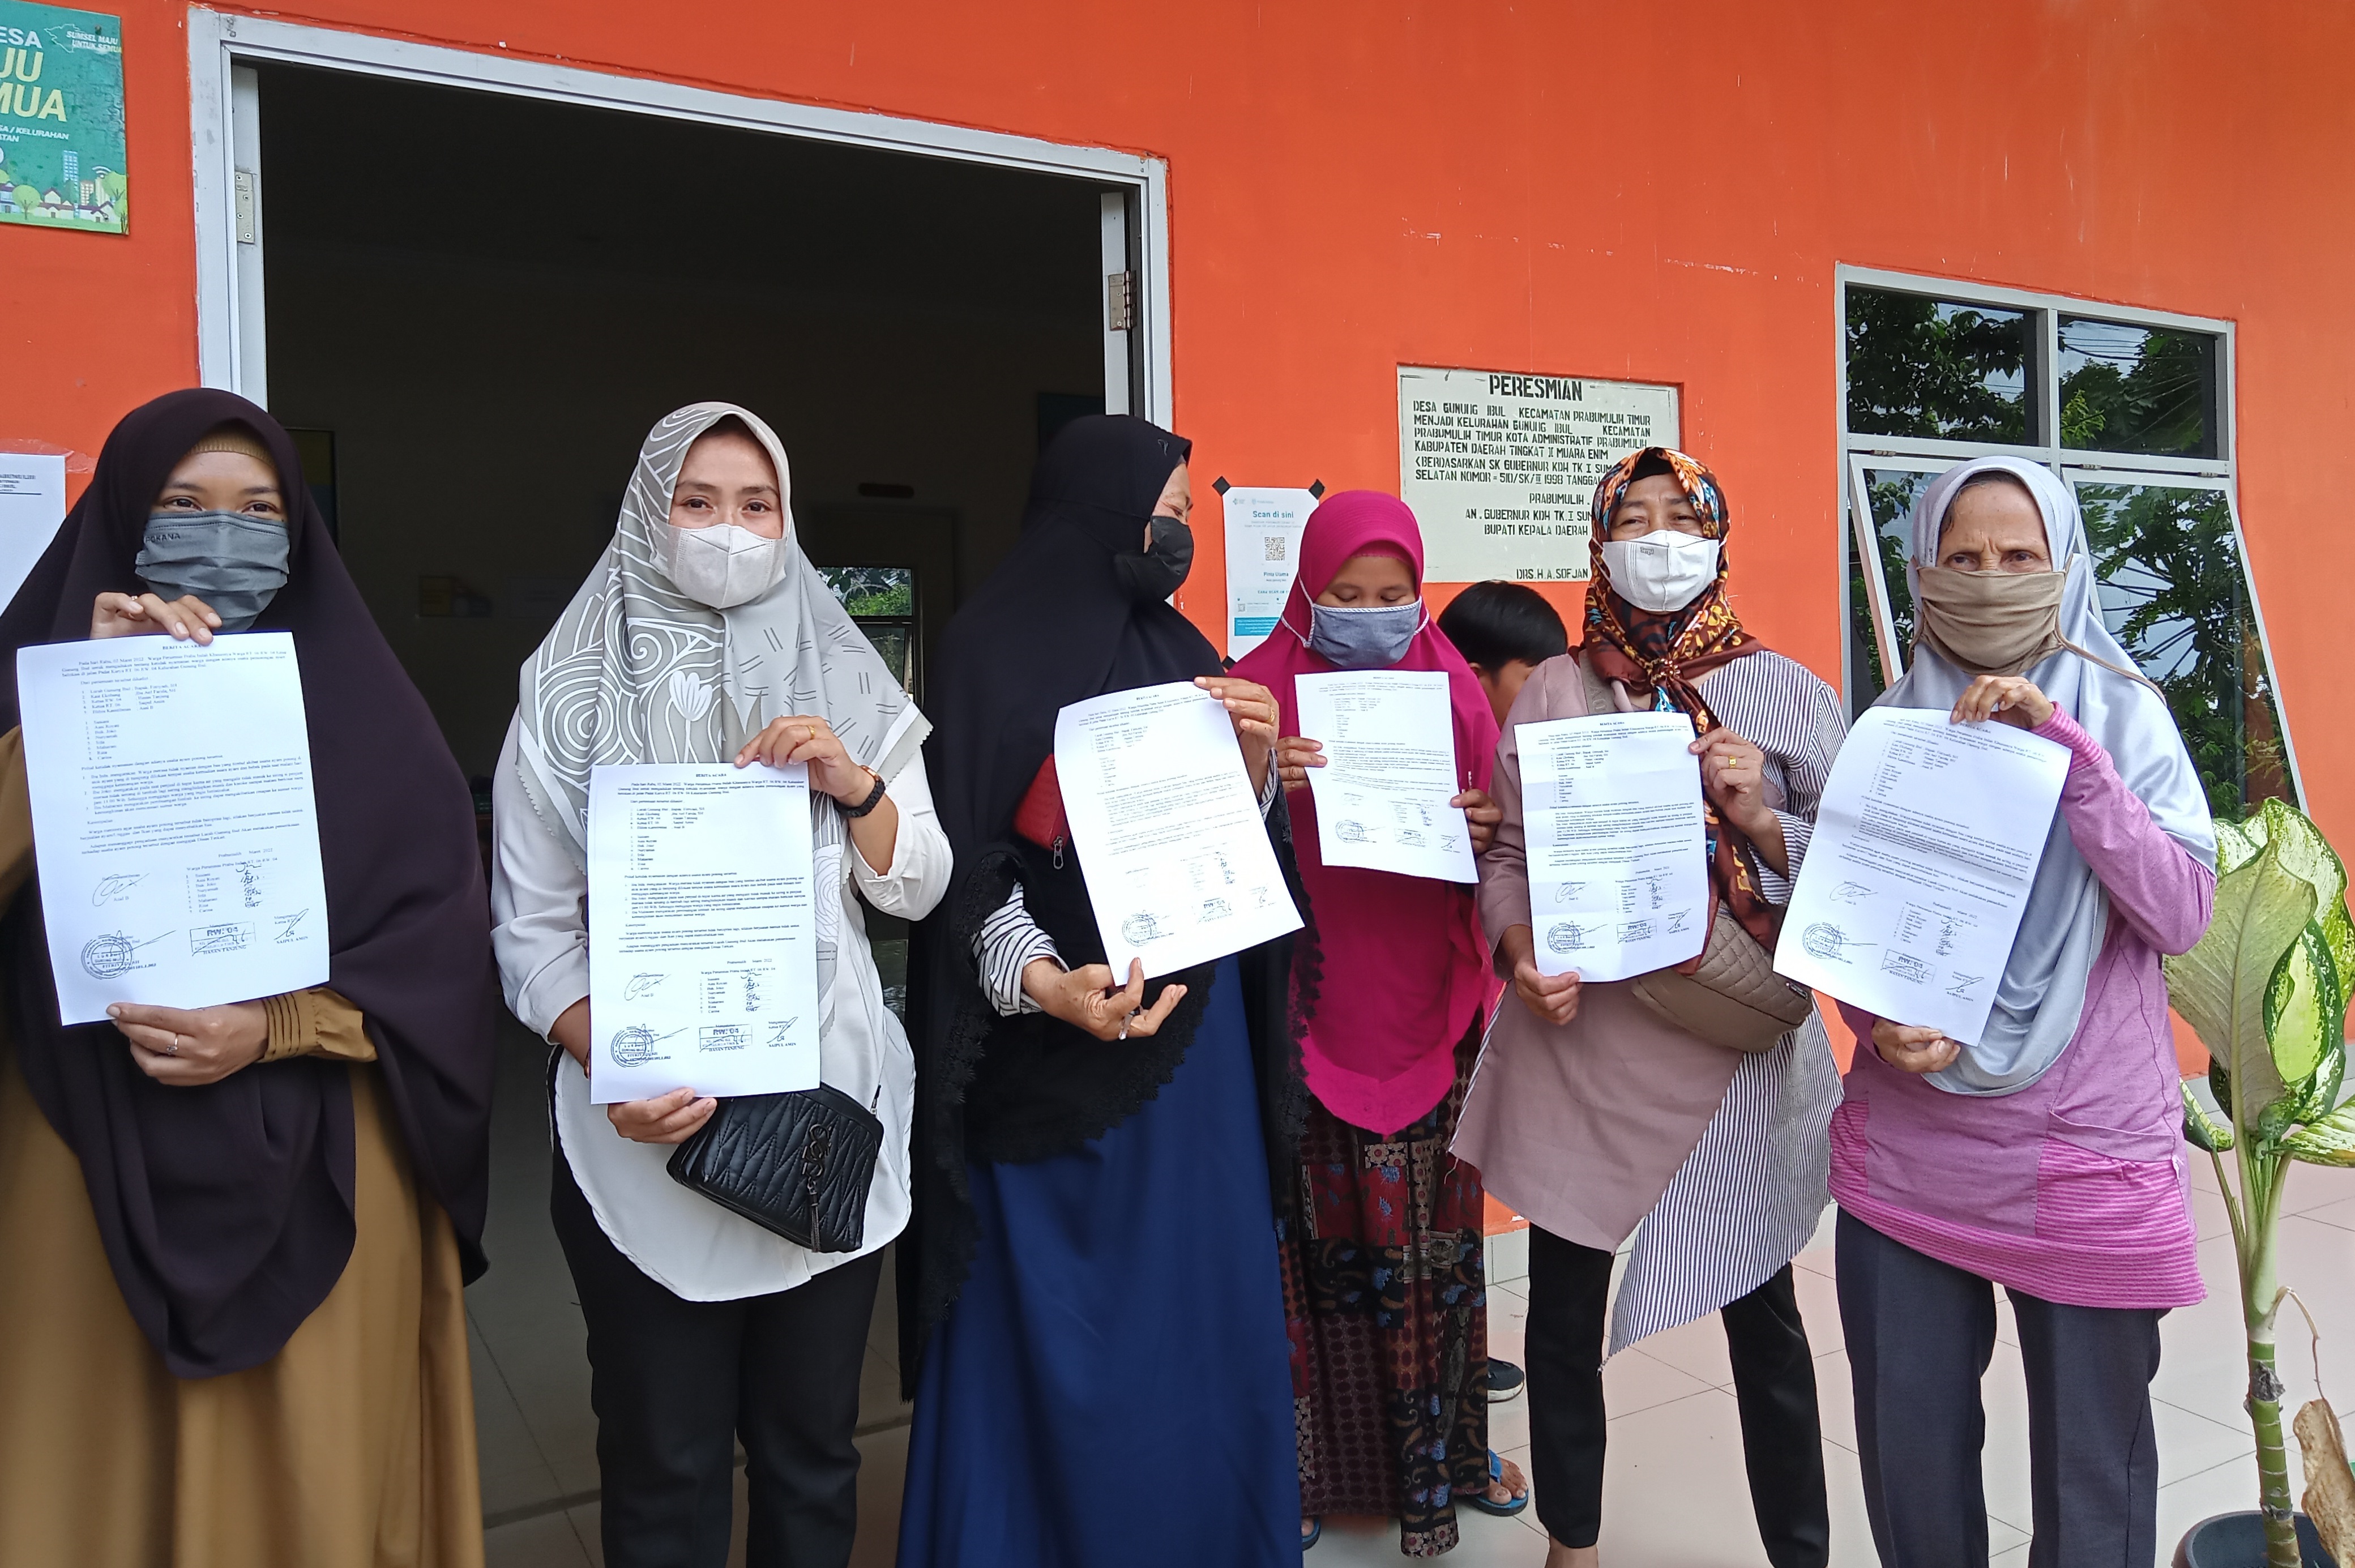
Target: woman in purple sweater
2047,1158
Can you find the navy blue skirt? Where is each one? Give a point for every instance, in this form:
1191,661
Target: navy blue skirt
1112,1390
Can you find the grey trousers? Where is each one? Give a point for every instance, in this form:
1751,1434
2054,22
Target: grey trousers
1920,1333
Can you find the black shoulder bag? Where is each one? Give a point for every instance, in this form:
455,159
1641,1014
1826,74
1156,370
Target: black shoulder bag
797,1163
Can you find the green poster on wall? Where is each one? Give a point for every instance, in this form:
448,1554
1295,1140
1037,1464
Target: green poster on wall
62,142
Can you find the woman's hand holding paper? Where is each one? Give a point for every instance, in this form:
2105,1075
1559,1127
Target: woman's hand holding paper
1913,1049
664,1119
1294,757
671,1118
803,738
1253,709
2016,702
144,615
1553,997
187,1047
1085,998
1733,772
1481,815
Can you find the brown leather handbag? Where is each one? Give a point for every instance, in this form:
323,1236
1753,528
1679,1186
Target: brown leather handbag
1732,997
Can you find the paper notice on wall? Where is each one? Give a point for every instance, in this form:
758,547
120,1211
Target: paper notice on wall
1500,466
62,148
32,504
1263,551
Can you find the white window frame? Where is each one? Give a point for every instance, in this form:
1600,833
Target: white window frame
229,333
1860,452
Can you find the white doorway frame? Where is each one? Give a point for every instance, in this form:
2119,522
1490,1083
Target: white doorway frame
229,333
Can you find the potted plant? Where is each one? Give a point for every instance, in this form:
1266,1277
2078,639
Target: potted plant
2266,989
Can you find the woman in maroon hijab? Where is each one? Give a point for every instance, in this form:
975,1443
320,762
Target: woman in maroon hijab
230,1322
1384,1294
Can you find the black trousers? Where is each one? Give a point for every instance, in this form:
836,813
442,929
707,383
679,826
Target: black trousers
676,1383
1774,1382
1920,1334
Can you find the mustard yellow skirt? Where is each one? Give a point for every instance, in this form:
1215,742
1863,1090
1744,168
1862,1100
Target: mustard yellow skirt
353,1447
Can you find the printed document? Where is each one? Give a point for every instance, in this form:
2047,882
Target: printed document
1174,851
1390,771
174,825
702,935
1618,854
1924,849
32,504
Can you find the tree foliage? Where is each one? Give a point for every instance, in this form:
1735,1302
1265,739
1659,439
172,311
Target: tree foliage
1917,366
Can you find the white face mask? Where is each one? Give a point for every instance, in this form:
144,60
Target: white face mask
1663,571
722,565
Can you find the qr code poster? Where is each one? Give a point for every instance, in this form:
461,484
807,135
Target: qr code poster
1263,528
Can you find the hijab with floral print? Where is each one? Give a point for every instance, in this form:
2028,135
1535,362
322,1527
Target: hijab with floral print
1657,657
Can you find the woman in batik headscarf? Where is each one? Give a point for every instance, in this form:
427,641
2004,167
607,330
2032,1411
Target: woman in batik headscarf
234,1239
2048,1155
704,635
1592,1114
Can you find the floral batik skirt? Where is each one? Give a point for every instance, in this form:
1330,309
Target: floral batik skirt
1385,1300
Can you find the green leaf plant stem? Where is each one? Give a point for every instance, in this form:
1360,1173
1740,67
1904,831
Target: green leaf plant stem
2266,990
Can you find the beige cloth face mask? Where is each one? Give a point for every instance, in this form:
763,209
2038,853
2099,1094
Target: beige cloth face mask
1989,623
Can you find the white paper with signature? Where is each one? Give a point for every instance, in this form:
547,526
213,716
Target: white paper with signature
1179,868
1389,772
702,939
1925,847
1616,843
173,824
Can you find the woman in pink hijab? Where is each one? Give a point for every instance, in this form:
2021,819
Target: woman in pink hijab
1383,1288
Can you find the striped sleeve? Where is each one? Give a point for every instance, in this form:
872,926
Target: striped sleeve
1781,708
1008,940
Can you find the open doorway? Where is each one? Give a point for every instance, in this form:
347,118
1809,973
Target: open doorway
477,303
485,300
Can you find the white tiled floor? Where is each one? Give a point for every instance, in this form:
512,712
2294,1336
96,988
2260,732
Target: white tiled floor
1675,1496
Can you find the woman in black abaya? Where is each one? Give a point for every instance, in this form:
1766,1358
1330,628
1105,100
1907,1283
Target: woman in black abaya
1090,1285
232,1239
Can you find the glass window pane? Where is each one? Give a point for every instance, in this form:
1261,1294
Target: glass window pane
1924,366
891,640
873,590
2137,388
1890,493
882,600
2173,592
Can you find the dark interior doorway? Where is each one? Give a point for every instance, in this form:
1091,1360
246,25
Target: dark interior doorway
476,304
485,300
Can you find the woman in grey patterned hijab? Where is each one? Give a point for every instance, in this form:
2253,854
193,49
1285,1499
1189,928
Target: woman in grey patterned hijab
703,634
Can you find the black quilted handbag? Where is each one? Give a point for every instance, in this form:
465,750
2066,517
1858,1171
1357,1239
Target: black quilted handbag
796,1164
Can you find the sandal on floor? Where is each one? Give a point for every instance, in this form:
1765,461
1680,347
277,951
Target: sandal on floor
1481,1500
1316,1533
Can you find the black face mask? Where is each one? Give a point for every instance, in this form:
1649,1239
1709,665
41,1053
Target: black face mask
1157,571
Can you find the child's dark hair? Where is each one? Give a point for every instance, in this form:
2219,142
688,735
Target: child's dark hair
1493,624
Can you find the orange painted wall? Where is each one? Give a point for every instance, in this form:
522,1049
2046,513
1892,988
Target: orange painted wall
1649,191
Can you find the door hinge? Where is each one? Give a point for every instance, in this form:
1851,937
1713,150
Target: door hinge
245,206
1120,301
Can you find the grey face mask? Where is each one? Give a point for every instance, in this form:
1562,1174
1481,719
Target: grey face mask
233,563
1372,638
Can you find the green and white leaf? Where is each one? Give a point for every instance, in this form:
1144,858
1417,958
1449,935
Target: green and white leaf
2205,1125
2222,986
2302,1004
2330,1141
